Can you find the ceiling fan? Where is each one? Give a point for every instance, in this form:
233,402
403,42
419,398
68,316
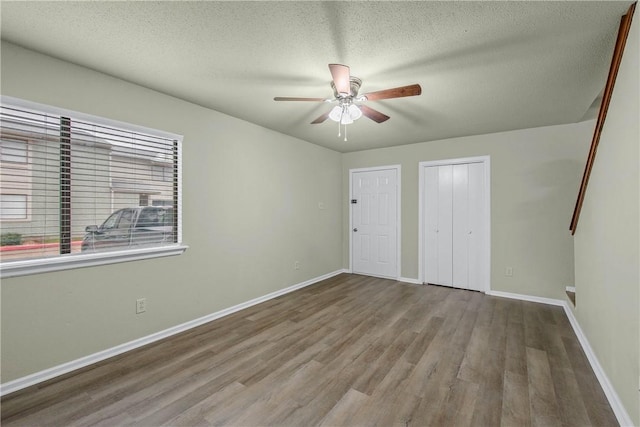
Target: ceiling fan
345,91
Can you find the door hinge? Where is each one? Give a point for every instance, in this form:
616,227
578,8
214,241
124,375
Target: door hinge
354,201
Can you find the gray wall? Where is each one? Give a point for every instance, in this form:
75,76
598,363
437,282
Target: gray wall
250,198
607,240
535,175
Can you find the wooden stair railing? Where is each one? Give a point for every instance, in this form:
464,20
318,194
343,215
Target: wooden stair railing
623,32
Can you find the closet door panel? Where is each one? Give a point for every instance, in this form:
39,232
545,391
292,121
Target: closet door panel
476,226
460,226
445,225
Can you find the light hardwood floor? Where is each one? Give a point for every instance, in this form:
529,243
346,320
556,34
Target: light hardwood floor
349,351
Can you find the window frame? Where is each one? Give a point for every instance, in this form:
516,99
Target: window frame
13,268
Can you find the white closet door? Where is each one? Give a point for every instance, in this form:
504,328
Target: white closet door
454,225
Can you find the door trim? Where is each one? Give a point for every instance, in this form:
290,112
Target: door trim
398,169
486,160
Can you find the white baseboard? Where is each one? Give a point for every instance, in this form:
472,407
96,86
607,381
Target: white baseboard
614,400
529,298
73,365
409,280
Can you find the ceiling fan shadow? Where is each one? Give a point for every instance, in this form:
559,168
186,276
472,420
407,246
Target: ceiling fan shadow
273,78
334,14
490,52
414,115
304,115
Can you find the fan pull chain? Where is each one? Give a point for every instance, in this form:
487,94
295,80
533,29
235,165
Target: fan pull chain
340,122
345,133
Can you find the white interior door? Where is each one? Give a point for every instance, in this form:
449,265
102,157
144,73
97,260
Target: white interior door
374,222
454,225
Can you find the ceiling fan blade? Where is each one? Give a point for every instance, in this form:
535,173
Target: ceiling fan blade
398,92
321,119
287,98
341,78
374,115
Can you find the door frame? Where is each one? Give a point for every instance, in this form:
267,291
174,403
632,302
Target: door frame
486,255
398,169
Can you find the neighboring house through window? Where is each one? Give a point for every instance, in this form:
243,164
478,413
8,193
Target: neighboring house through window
15,180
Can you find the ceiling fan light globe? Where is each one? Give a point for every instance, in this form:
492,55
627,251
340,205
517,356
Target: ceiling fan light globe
346,120
336,113
354,112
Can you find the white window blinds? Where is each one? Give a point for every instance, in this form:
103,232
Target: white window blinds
69,185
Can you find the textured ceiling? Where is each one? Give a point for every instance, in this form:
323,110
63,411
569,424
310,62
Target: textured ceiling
483,66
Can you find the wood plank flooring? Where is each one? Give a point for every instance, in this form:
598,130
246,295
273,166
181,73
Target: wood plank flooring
349,351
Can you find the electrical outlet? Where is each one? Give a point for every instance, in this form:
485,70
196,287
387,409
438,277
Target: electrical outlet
508,271
141,305
296,265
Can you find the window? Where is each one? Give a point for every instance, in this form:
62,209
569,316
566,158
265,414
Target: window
77,195
161,202
162,172
13,207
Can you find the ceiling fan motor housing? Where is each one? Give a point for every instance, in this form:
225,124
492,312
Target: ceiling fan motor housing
355,84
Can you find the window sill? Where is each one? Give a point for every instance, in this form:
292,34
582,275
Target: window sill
36,266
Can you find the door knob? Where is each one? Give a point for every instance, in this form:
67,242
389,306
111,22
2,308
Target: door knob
355,230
